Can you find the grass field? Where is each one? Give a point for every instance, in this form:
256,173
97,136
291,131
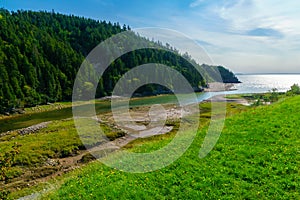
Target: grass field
58,140
256,157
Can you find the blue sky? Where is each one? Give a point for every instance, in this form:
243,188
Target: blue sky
243,35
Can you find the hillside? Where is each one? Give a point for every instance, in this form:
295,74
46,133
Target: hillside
256,157
40,53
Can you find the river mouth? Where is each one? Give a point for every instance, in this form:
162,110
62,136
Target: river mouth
19,121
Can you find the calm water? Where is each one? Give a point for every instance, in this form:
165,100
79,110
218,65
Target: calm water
259,83
265,82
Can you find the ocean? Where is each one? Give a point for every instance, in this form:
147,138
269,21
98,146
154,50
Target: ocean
258,83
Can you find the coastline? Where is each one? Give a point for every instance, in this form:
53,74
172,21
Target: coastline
219,87
222,98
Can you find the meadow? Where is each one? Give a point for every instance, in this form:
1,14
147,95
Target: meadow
257,156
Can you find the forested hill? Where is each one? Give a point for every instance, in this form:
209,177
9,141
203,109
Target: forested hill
40,53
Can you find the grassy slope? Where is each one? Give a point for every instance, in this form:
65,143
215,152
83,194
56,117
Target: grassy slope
59,139
257,156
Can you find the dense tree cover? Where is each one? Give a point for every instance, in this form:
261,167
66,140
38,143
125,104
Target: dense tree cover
41,52
214,73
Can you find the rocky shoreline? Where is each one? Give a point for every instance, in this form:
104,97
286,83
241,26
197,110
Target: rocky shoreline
33,128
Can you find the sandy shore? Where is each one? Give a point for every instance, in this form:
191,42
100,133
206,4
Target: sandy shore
219,87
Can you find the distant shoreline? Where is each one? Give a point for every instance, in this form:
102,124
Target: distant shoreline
219,87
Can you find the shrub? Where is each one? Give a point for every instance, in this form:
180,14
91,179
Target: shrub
295,89
274,95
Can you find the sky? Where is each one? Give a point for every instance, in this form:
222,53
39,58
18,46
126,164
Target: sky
246,36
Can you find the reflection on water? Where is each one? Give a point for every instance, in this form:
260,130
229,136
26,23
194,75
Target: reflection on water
258,83
265,82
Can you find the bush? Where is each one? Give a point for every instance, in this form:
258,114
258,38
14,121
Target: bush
274,95
295,90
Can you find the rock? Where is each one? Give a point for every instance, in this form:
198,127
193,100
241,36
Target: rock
17,110
34,128
52,162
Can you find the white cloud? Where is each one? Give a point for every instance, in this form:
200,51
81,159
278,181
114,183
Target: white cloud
250,14
235,37
238,43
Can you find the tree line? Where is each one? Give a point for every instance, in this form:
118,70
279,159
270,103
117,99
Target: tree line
41,52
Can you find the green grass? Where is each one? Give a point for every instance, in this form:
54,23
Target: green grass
25,120
59,139
234,96
256,157
35,116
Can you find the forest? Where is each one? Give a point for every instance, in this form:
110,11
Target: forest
41,52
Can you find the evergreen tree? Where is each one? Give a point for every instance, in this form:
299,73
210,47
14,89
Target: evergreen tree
41,52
